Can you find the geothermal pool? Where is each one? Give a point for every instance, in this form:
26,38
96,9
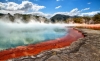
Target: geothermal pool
13,34
17,40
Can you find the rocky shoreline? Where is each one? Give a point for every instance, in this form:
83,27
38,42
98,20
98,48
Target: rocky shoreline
85,49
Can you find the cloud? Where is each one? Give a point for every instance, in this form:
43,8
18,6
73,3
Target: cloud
27,7
78,12
73,12
11,12
89,13
85,9
58,7
24,6
89,3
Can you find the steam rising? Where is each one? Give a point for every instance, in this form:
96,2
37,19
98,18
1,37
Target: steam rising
14,34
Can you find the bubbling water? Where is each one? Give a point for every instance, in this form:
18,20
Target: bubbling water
14,34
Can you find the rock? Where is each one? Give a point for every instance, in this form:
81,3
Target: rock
64,57
54,58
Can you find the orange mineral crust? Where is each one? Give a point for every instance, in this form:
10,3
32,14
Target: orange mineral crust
34,49
89,26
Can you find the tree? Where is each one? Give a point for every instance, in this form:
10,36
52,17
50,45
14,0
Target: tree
11,17
96,18
59,18
77,19
87,19
26,18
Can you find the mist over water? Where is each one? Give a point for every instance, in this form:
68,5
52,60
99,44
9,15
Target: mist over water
18,34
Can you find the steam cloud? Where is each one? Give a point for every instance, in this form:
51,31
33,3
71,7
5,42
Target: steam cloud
14,34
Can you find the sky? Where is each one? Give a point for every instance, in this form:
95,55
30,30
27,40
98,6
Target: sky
51,7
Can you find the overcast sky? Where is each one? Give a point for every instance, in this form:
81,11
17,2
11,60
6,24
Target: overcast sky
51,7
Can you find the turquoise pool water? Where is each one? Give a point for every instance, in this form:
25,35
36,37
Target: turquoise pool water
18,35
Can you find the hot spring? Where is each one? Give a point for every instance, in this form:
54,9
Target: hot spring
14,34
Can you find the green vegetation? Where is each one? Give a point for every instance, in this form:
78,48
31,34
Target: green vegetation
96,18
59,18
56,18
11,17
76,19
26,18
23,17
